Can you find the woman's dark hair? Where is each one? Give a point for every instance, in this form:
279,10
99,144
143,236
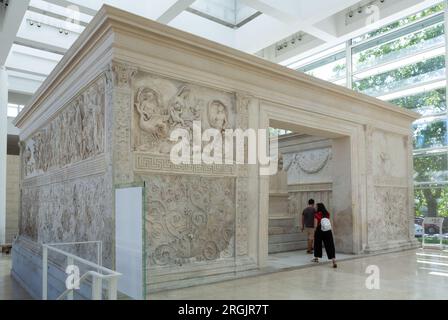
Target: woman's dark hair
321,208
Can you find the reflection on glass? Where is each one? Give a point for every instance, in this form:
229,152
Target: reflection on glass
407,46
426,103
421,72
334,71
431,202
431,168
430,134
400,23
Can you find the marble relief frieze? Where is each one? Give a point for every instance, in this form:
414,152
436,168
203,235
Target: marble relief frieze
74,134
162,106
189,219
70,211
390,221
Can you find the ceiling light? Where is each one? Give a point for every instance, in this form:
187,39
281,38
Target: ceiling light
350,14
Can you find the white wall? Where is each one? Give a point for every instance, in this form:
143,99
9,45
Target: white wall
12,197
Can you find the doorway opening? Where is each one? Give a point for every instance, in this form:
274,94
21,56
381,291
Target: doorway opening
313,164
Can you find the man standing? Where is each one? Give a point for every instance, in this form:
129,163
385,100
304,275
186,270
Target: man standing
308,223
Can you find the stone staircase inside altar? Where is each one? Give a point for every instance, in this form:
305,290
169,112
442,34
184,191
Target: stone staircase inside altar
285,235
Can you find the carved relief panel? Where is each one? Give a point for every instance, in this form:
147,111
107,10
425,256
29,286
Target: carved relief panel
389,151
189,219
70,211
390,221
162,105
75,134
309,166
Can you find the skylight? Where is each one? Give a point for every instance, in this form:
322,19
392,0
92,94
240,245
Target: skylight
231,13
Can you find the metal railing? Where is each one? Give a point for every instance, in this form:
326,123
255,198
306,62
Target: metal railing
97,276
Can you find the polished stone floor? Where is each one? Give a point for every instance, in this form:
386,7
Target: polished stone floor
10,289
414,274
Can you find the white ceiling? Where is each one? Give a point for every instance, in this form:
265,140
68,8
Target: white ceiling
36,33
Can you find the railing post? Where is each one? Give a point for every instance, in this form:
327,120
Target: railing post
44,271
97,285
112,292
70,262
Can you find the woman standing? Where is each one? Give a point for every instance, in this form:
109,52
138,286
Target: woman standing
323,236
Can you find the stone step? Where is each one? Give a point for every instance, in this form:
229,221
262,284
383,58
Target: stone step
289,237
281,221
282,230
287,246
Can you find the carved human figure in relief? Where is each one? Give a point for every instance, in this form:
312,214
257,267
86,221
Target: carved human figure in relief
176,109
152,116
218,115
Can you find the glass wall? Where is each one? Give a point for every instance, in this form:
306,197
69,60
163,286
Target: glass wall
14,109
404,63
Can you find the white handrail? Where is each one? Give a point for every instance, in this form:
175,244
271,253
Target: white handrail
110,275
94,275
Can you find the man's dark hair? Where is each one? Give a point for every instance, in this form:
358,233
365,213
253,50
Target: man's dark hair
311,202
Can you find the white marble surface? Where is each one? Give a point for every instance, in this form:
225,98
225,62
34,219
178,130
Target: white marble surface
403,275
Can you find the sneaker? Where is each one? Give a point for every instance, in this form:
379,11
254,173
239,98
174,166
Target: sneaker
335,265
316,260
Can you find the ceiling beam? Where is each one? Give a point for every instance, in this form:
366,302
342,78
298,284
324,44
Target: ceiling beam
65,4
37,74
270,11
39,45
54,15
177,8
11,24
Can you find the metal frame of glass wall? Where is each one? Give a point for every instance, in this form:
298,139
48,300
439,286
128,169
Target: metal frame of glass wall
404,63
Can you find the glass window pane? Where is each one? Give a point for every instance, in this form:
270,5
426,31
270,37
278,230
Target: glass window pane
430,134
331,69
416,74
431,168
13,110
405,50
426,103
432,202
403,22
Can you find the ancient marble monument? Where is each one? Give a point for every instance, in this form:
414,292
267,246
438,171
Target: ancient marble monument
103,119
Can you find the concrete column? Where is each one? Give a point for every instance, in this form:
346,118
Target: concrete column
3,143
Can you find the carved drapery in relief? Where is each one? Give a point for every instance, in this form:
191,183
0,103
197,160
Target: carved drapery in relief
75,134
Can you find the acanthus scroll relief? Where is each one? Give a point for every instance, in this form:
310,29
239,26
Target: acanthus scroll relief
189,219
162,105
75,134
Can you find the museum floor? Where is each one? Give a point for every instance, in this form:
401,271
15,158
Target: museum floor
10,289
414,274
